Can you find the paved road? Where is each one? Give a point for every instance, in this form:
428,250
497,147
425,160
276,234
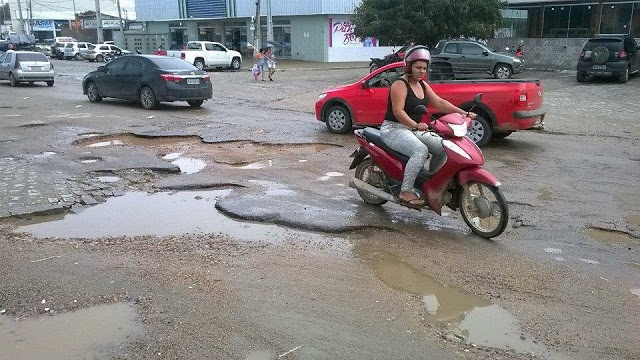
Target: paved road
561,282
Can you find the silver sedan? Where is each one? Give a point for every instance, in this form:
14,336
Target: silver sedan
25,66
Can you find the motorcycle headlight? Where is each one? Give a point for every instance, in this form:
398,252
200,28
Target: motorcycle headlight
322,96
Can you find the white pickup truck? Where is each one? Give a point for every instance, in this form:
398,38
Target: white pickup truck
207,55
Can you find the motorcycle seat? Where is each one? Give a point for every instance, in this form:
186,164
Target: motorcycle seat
373,136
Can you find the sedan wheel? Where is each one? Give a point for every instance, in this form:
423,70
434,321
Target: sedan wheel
148,98
338,119
92,92
480,132
624,77
195,103
99,58
78,56
235,64
12,80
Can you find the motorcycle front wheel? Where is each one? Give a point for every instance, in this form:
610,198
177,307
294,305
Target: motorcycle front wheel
484,209
368,172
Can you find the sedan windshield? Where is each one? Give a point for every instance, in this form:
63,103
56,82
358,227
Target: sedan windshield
32,57
173,64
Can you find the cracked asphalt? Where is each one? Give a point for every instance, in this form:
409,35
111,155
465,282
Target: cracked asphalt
291,261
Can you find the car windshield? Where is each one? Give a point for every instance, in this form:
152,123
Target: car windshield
69,46
91,47
611,43
173,64
32,57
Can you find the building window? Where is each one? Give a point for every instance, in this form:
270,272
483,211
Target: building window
521,23
616,18
635,20
556,21
582,22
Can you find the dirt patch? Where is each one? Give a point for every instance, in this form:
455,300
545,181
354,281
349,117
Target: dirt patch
611,236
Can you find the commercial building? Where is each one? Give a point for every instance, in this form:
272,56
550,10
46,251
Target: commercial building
315,30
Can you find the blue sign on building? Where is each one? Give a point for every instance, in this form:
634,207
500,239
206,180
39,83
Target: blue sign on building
206,8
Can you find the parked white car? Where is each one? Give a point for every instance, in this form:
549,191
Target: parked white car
76,50
100,51
25,66
207,55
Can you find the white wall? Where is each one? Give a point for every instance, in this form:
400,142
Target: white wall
339,54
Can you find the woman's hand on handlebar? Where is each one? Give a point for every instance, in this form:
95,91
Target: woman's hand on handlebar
422,126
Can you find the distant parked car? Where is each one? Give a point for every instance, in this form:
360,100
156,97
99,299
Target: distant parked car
472,57
207,55
100,52
57,50
150,79
609,55
76,50
25,66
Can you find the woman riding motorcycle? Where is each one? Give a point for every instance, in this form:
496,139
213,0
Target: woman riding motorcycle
401,120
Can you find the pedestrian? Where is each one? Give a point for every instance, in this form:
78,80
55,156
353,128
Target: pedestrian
259,65
270,61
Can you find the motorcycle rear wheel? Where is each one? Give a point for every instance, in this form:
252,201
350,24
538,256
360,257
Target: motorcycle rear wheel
366,171
484,209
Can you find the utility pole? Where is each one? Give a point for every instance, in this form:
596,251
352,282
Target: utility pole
21,18
99,23
269,22
30,25
120,23
74,20
257,31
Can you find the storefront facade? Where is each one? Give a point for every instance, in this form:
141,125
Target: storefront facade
319,30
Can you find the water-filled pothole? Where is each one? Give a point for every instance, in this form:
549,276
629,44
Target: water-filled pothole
611,236
231,152
545,194
82,334
90,159
465,315
633,219
170,214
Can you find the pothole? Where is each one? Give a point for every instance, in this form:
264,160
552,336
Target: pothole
235,153
610,236
44,154
91,134
85,333
462,314
108,179
545,194
170,214
90,159
33,124
633,219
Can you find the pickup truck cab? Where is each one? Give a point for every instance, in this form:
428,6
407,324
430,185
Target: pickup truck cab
507,105
207,55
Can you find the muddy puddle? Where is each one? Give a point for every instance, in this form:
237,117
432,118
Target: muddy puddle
544,194
611,237
90,333
169,214
465,315
236,153
633,219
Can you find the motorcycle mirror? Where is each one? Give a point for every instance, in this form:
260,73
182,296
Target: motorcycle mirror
421,109
477,98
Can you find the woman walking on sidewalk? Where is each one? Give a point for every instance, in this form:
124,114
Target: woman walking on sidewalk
270,61
259,65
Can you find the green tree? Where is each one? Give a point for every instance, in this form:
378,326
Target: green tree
5,13
426,21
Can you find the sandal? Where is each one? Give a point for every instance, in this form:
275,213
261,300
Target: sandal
416,203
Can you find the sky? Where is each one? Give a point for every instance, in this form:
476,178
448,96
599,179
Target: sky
107,6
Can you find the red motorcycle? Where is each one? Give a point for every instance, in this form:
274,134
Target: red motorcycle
460,182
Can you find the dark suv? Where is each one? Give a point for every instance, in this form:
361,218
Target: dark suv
609,55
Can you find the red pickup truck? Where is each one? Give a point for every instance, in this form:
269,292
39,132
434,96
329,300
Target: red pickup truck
507,105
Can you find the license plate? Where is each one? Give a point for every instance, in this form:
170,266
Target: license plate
36,68
599,67
193,81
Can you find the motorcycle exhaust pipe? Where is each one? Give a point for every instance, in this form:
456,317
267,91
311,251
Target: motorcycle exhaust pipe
363,186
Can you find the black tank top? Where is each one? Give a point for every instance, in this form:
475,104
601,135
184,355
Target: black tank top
410,103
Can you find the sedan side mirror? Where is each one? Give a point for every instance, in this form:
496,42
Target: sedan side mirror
101,68
485,53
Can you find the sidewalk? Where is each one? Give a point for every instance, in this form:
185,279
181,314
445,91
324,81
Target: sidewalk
293,65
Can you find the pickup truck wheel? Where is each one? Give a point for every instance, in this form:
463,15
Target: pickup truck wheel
624,76
99,58
581,77
195,103
235,64
148,98
502,71
93,93
480,132
199,64
338,119
373,67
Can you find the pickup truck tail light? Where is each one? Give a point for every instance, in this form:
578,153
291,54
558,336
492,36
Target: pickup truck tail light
521,97
182,56
621,54
582,54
